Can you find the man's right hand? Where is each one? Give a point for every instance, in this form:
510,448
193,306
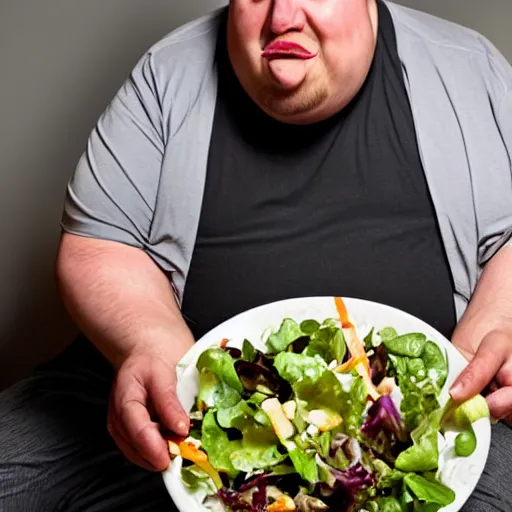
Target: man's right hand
143,402
126,306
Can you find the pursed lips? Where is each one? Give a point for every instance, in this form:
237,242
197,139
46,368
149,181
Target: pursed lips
286,49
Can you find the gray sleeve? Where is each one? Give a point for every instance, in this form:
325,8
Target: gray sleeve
500,95
112,192
505,123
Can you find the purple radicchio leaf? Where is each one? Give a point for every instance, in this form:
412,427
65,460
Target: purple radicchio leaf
234,500
383,416
254,376
354,479
346,487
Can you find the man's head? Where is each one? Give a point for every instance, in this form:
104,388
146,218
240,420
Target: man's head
302,61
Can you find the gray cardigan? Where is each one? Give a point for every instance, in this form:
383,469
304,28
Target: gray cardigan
141,179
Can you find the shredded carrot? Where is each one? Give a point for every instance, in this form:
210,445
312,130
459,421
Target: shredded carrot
343,313
224,343
355,347
349,365
190,452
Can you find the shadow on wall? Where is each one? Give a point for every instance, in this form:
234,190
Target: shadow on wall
61,64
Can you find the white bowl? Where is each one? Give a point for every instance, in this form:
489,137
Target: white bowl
461,474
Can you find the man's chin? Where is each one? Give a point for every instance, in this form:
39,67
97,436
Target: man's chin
293,106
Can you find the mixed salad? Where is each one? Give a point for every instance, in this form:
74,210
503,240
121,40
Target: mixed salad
323,421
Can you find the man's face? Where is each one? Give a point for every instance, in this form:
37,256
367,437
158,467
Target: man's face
302,60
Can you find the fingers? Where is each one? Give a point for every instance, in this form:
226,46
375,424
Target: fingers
162,389
116,430
131,425
500,403
143,434
129,452
487,362
145,390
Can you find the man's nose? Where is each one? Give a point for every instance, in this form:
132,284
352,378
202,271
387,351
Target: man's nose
286,15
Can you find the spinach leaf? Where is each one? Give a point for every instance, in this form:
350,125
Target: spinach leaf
428,491
308,327
387,333
410,345
435,362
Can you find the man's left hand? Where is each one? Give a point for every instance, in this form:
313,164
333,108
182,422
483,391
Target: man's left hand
490,366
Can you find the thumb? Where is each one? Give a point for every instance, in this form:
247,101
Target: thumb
162,393
482,369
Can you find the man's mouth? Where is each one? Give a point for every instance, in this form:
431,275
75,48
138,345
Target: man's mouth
286,50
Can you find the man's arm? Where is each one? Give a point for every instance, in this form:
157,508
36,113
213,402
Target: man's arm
484,336
125,305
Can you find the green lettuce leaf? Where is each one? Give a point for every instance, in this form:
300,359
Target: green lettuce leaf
262,419
326,393
368,340
257,398
303,462
197,480
423,455
219,384
389,504
259,450
354,407
461,416
329,343
419,396
324,444
222,365
321,392
282,469
218,446
214,393
316,387
288,332
249,353
386,477
294,367
237,416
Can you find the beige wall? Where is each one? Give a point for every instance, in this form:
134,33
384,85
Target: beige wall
60,63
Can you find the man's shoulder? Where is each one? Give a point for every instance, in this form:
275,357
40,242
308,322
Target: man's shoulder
433,30
459,48
193,40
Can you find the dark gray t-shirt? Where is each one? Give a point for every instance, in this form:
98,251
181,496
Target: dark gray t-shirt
140,180
337,208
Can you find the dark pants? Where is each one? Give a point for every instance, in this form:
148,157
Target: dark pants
56,454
